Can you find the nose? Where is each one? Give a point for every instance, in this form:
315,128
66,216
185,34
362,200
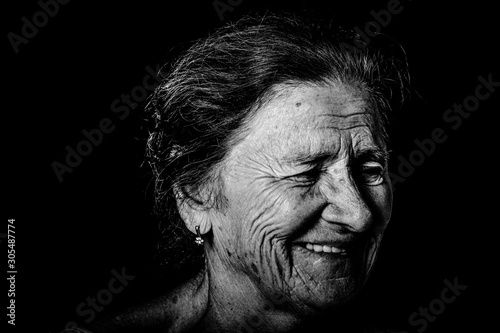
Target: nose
346,205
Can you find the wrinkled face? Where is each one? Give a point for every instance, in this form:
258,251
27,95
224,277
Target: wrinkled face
308,196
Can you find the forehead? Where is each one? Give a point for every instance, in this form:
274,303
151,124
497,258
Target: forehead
310,117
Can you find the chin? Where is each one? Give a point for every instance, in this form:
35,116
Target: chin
327,280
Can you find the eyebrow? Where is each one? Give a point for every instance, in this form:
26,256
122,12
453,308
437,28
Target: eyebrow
373,153
365,154
308,159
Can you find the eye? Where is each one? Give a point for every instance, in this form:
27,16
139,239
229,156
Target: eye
372,173
307,178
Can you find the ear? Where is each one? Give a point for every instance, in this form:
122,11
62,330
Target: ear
192,212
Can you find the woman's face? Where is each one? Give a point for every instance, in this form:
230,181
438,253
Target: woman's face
308,196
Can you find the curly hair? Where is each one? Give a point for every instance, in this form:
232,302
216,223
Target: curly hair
202,103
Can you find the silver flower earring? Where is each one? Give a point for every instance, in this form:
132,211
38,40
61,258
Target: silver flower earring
198,239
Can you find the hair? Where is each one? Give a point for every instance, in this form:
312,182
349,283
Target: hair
215,85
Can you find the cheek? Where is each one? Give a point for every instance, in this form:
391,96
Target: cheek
380,198
385,200
265,216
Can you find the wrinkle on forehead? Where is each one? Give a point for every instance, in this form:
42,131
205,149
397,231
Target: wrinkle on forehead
349,121
309,107
310,118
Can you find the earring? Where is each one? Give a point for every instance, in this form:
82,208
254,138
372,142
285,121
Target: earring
198,240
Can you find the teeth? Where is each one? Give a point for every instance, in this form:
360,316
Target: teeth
323,248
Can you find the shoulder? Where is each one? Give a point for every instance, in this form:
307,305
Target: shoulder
177,311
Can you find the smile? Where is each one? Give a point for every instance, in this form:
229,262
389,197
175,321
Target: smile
323,248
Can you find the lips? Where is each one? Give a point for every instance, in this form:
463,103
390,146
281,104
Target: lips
333,244
336,244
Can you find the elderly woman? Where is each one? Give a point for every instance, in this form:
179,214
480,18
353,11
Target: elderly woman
269,153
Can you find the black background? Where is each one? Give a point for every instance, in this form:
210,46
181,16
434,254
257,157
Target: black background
71,234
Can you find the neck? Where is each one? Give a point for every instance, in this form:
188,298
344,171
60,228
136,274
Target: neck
236,303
